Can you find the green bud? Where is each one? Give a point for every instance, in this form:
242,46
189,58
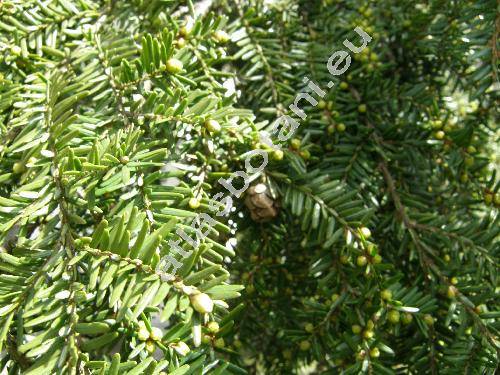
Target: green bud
174,66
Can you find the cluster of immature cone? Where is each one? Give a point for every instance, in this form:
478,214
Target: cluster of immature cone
261,205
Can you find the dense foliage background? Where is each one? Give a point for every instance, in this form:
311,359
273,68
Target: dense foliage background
370,244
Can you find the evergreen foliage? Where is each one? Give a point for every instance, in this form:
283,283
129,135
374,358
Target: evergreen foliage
380,252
